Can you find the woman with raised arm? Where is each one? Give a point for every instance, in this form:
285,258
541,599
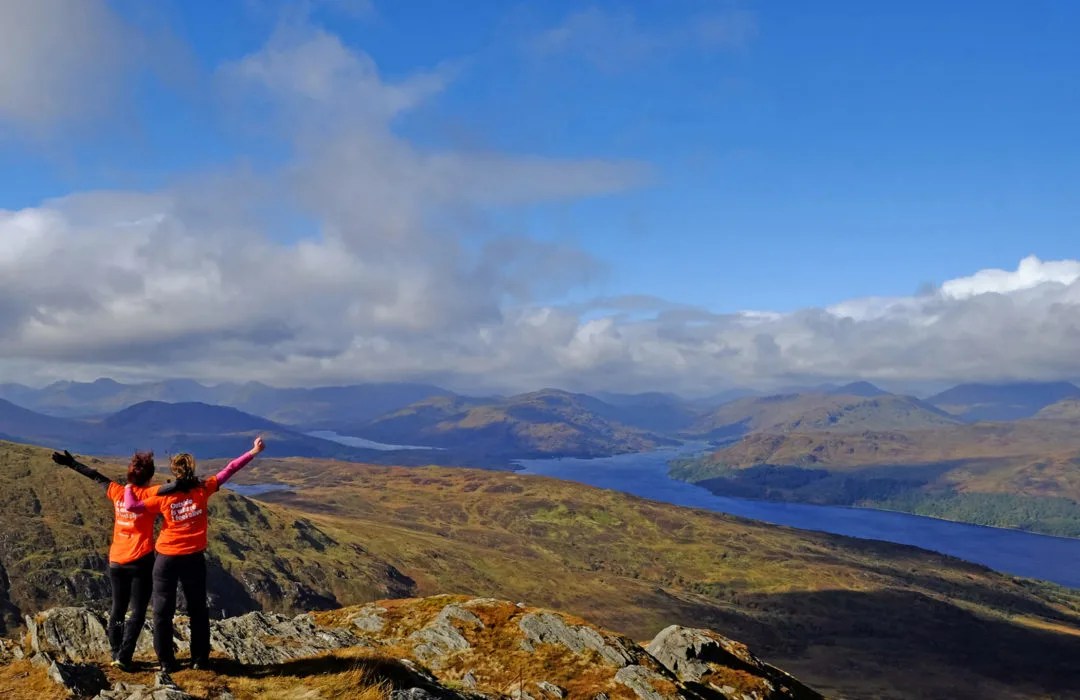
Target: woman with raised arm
180,548
131,555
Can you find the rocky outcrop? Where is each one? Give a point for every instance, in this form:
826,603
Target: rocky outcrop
551,628
265,639
703,659
78,634
444,647
163,689
498,649
74,633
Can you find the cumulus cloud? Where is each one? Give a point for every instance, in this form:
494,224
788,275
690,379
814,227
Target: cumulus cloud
119,284
59,60
398,272
1031,273
398,275
615,40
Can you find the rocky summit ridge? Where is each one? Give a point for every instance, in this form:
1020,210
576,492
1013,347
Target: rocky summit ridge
443,647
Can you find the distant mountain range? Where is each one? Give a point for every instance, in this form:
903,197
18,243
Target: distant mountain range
1002,402
307,408
106,416
209,432
540,424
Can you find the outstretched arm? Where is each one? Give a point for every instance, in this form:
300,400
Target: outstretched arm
130,502
135,505
65,459
240,462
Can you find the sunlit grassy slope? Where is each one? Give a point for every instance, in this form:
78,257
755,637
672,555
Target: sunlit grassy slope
54,535
1024,474
850,617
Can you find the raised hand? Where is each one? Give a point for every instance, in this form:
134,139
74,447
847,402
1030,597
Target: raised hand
64,459
259,446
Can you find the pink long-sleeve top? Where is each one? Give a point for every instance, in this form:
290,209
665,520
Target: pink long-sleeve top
135,505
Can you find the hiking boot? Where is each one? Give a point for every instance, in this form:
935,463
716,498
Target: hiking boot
125,666
200,665
168,667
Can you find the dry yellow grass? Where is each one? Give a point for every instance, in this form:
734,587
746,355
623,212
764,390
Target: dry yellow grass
21,680
352,674
496,657
347,674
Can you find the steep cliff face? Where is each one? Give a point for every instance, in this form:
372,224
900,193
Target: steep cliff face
451,647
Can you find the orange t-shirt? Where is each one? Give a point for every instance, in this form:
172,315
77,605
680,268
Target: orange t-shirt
185,518
133,533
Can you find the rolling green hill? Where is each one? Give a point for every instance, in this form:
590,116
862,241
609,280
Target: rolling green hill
55,527
839,613
351,533
786,413
541,424
1024,474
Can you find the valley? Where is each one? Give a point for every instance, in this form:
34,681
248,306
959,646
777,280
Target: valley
847,445
1024,474
353,533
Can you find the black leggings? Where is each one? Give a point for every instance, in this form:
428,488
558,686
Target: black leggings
189,571
131,586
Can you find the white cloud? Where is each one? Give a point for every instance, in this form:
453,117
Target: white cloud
614,41
399,275
402,275
1031,273
59,60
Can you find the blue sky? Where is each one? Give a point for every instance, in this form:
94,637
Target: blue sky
787,166
798,155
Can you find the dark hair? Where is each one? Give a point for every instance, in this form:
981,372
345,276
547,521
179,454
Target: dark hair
141,470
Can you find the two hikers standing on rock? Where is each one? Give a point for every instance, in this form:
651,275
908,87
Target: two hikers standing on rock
136,574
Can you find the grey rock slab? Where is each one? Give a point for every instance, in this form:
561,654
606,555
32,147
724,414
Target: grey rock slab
369,619
551,690
456,612
264,639
549,628
690,654
413,694
640,680
76,634
442,637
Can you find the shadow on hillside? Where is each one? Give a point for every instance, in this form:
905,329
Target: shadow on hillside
892,630
979,592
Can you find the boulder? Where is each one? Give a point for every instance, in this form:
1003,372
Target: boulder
647,683
412,694
551,690
369,619
163,689
264,639
442,637
9,650
75,634
429,693
704,659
